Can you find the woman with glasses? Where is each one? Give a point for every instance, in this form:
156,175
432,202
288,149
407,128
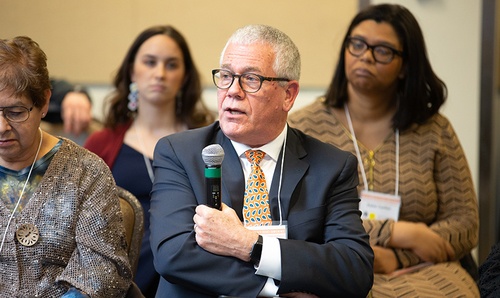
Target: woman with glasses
418,201
157,93
60,222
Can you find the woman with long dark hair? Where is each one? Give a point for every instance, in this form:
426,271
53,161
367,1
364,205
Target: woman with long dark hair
157,93
418,201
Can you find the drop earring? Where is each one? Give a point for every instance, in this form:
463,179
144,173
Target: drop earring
133,97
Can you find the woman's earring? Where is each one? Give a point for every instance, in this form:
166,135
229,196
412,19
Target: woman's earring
133,97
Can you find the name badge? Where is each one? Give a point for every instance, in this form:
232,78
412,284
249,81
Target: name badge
275,230
377,205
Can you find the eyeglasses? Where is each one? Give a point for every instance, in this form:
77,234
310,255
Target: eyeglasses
381,54
249,82
16,114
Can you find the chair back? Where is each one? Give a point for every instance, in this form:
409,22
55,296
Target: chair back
133,222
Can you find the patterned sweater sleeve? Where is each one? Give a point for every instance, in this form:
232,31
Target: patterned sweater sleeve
99,265
456,218
445,195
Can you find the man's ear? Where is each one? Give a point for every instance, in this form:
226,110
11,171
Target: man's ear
292,91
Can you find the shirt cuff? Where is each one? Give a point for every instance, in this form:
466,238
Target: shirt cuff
270,260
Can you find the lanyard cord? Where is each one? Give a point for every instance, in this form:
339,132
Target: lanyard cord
358,153
22,191
281,178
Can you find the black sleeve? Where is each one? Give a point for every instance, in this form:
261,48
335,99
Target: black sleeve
489,274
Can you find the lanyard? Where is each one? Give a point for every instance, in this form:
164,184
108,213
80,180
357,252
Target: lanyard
358,153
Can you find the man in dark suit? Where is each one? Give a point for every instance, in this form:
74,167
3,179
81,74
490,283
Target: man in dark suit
205,252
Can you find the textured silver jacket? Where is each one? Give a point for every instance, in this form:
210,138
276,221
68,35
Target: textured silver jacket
82,242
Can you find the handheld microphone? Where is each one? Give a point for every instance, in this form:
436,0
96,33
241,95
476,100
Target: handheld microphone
213,155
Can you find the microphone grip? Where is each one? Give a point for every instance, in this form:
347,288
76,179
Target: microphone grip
213,184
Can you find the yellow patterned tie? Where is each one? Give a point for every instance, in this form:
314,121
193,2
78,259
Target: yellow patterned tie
256,205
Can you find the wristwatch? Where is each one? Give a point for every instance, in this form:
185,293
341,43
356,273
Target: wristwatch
256,251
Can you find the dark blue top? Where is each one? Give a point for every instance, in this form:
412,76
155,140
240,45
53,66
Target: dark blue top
130,172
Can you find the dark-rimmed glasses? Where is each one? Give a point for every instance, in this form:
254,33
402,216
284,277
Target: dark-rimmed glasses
249,82
382,54
16,114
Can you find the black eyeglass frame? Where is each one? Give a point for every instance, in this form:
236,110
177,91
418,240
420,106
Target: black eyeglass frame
5,115
372,48
261,79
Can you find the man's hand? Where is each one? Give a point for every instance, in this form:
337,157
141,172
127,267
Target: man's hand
221,232
76,112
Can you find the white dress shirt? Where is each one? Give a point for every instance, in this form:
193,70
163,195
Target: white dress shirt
270,261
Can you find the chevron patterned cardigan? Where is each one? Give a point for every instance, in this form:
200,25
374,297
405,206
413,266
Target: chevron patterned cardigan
435,183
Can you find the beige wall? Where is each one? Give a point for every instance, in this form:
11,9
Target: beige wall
86,40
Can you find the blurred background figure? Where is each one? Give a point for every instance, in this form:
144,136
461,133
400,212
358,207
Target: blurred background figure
157,93
62,232
383,106
71,105
70,111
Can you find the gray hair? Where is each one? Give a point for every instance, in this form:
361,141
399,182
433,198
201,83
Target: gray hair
287,56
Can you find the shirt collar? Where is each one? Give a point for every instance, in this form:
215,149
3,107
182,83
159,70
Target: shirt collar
272,149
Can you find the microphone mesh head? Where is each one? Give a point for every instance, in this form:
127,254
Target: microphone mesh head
213,155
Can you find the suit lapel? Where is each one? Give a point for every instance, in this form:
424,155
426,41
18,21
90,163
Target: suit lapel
293,170
233,181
